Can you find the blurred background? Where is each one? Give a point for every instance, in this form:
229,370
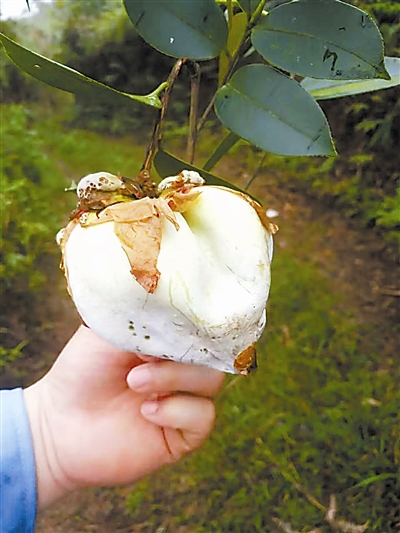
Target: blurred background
314,431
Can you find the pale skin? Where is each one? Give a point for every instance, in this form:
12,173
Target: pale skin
104,417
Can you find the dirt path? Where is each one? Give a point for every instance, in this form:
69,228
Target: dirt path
354,262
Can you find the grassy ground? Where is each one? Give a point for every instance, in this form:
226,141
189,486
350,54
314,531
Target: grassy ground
79,152
317,419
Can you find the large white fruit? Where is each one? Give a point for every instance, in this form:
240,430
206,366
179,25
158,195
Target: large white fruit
184,276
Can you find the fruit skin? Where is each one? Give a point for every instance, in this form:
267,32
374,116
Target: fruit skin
209,303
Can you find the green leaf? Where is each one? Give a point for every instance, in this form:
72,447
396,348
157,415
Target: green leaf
67,79
324,39
230,140
274,112
195,29
168,165
236,33
325,89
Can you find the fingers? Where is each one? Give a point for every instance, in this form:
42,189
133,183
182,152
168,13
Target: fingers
185,420
167,376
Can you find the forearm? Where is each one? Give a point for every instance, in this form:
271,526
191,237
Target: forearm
52,483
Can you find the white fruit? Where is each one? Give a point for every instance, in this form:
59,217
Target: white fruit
205,301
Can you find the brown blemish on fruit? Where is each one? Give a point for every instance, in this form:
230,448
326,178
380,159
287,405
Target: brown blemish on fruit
244,360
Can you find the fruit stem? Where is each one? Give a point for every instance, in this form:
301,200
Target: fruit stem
157,131
194,72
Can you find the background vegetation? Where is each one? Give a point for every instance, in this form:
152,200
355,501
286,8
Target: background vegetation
320,416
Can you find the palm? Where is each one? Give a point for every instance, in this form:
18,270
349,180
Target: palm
115,443
97,428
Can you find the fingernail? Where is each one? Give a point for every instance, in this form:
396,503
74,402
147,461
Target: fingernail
149,408
139,379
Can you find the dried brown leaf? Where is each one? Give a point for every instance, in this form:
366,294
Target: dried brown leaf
245,360
180,200
141,242
266,222
62,239
138,226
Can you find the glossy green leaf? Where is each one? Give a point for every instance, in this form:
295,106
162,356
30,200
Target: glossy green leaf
325,39
196,29
230,140
326,89
168,165
236,33
272,111
67,79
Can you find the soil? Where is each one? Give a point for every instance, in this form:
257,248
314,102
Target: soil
353,259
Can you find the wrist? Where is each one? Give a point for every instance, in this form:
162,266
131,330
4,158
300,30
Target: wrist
52,482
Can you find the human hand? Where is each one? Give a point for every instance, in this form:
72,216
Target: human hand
106,417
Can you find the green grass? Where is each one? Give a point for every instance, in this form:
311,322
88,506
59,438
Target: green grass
31,200
318,417
79,152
